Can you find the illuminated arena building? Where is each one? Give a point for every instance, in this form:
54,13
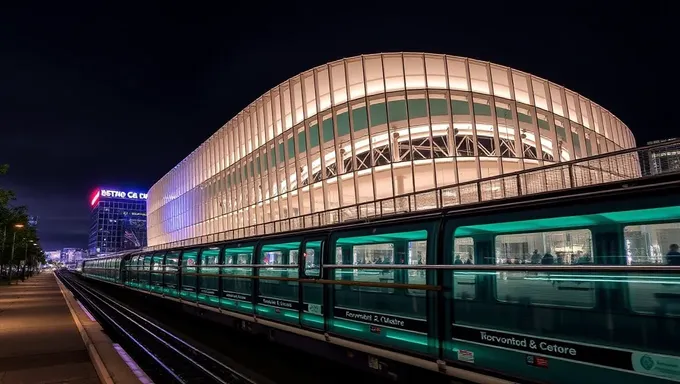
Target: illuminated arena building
374,128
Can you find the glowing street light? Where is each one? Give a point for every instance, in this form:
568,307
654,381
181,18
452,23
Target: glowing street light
11,258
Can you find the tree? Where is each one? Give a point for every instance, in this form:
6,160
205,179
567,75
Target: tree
25,237
5,195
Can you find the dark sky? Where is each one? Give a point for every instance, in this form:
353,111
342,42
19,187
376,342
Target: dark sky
117,95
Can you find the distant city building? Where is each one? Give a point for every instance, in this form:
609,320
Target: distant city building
660,161
33,221
118,221
53,256
72,255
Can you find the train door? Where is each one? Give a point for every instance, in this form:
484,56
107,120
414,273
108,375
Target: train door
311,292
278,296
188,274
237,278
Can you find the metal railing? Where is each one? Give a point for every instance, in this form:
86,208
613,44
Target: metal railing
628,164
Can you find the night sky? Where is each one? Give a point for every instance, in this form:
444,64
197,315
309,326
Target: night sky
94,95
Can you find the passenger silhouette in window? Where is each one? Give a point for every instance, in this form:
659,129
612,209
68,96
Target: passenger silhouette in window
548,259
673,256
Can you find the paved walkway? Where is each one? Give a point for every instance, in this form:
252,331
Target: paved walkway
39,340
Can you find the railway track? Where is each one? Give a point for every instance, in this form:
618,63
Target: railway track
171,359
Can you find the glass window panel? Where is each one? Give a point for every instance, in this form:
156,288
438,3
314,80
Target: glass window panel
309,93
568,247
355,76
417,108
501,84
571,104
436,72
457,74
414,71
324,88
314,135
378,114
302,141
343,123
312,258
651,244
359,118
327,128
438,106
540,97
479,78
557,102
374,75
287,108
585,109
397,110
339,85
394,72
297,100
521,85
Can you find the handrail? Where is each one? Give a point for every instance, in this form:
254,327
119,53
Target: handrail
468,267
408,203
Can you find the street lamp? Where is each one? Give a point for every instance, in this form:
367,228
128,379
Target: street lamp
11,258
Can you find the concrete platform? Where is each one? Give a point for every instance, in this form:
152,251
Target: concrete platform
46,337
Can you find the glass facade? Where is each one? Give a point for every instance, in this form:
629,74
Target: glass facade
373,127
117,225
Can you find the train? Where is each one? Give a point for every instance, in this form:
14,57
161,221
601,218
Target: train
568,286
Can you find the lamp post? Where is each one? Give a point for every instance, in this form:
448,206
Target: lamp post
11,258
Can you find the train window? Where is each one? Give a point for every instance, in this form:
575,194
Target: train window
156,271
209,257
464,282
559,247
281,261
233,286
312,258
386,249
189,262
243,255
545,288
171,262
651,243
464,250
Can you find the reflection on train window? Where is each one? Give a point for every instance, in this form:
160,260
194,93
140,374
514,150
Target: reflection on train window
464,282
171,261
545,288
464,250
545,248
238,256
651,244
387,249
243,255
209,257
277,257
312,258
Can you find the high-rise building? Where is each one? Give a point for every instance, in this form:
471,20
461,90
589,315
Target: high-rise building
663,160
118,221
72,255
53,255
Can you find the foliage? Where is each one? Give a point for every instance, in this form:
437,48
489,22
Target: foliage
20,238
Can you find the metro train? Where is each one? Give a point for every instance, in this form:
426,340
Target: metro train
566,287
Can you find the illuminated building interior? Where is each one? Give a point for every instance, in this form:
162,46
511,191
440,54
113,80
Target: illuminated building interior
372,127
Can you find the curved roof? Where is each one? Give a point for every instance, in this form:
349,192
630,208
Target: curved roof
357,77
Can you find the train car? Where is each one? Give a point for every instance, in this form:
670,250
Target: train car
558,289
